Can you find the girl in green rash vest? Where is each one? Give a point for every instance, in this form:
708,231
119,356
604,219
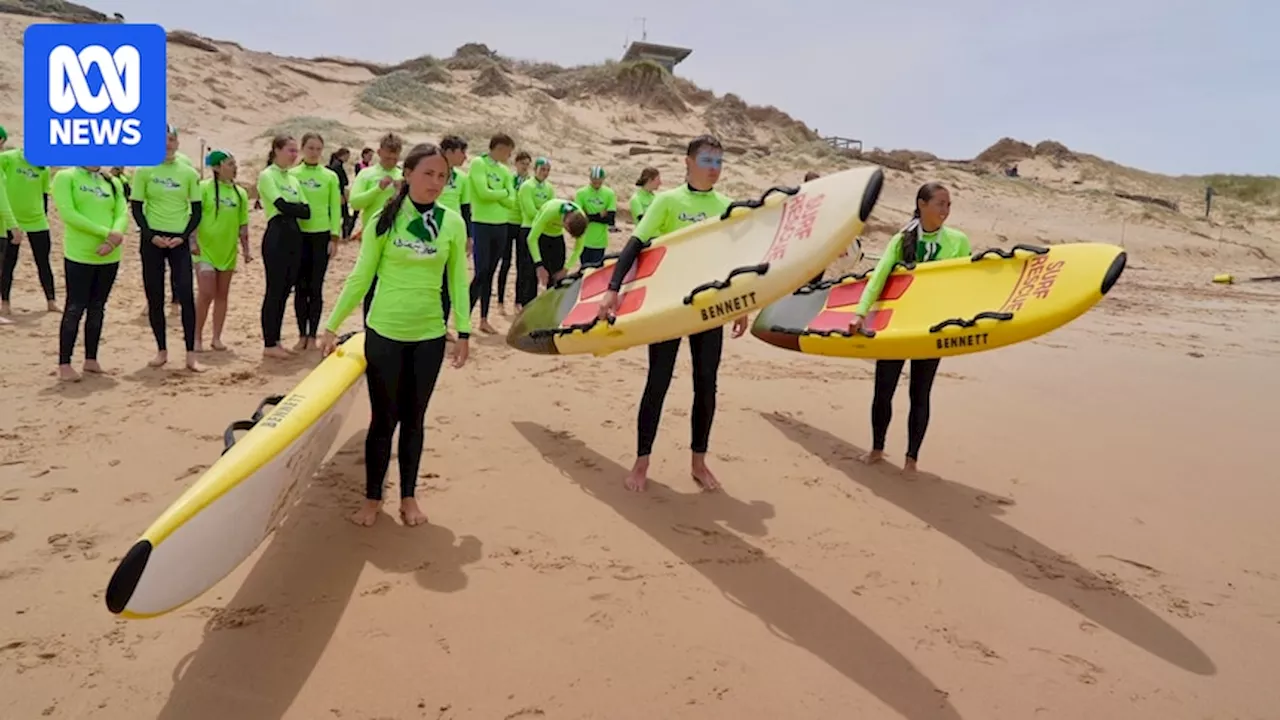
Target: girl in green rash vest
415,246
28,189
375,185
492,196
600,203
924,239
284,206
93,211
642,198
514,218
671,210
546,238
320,234
222,226
166,205
531,197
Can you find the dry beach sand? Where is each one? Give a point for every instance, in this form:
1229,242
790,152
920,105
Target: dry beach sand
1090,540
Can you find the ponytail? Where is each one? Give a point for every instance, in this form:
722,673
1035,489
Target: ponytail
389,211
271,157
911,231
217,203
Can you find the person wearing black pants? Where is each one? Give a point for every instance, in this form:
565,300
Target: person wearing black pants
504,268
282,197
920,387
88,288
705,349
41,245
308,298
526,275
489,240
401,378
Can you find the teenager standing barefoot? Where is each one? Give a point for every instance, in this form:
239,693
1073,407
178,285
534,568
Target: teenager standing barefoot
222,226
415,246
282,201
924,239
671,210
600,204
92,208
492,196
27,188
647,184
320,235
166,205
531,197
514,218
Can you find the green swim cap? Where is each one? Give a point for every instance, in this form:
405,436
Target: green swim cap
215,158
3,135
597,172
536,163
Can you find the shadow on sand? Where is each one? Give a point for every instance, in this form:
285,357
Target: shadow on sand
296,594
971,518
789,607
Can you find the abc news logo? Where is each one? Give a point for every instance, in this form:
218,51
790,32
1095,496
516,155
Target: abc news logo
69,89
94,94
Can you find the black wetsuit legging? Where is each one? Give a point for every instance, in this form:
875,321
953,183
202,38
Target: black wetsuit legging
591,256
88,287
920,387
281,261
504,268
40,243
153,264
526,275
401,377
551,247
705,348
488,251
308,298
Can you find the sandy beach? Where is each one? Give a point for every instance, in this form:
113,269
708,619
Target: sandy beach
1089,538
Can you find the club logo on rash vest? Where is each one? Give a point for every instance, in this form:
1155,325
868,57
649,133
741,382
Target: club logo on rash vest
94,94
691,218
95,190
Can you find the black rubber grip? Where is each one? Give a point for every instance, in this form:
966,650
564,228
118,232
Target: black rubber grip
229,435
757,202
760,269
1008,254
961,322
822,333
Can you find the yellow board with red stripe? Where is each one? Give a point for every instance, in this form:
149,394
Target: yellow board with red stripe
951,307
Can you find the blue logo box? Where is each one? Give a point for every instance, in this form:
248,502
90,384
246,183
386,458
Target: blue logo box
95,94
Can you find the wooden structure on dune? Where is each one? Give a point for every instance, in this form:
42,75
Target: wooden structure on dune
668,56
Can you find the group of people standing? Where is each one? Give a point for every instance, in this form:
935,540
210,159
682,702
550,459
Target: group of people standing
421,215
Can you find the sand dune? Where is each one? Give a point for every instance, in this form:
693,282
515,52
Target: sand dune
1094,537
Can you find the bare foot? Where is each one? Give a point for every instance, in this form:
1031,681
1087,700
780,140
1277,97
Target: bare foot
276,352
5,321
873,457
485,327
638,479
92,366
6,309
53,307
217,345
66,373
410,513
368,513
192,365
703,475
199,347
301,345
909,469
160,359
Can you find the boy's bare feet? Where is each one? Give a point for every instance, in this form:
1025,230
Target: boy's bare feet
410,513
368,513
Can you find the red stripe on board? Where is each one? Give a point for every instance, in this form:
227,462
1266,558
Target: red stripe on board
647,264
878,320
829,320
583,312
894,288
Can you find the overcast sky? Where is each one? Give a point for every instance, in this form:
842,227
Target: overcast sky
1172,86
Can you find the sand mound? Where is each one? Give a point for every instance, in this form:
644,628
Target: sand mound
1054,149
1006,150
425,69
643,83
727,116
400,92
492,81
190,39
474,56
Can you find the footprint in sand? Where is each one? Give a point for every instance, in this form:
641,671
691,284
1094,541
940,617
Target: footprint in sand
6,536
138,497
55,492
11,495
381,588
